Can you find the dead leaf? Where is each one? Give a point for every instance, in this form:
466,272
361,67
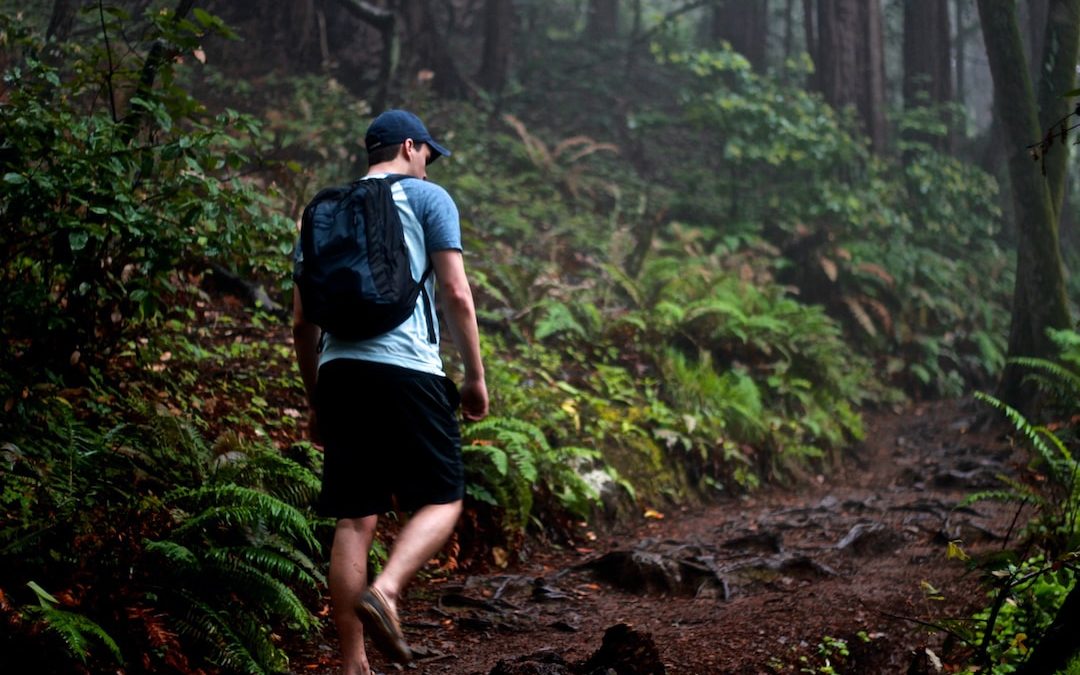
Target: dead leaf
199,55
829,267
654,514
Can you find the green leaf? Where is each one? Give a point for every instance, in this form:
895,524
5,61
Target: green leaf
78,240
14,178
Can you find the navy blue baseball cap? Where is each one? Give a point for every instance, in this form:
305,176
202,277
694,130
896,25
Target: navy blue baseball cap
394,126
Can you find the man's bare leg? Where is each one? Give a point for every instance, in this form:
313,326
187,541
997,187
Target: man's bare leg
422,537
347,580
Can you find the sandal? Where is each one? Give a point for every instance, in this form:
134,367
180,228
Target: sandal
381,623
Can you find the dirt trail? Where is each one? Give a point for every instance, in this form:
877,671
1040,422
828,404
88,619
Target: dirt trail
751,585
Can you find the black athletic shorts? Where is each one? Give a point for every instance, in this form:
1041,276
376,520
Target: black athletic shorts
388,432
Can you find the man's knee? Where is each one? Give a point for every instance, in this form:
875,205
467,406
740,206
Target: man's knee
355,529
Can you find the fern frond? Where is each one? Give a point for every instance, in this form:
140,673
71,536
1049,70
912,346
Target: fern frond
625,282
273,563
277,475
271,596
238,506
998,496
497,456
1051,368
77,631
212,629
1035,435
178,556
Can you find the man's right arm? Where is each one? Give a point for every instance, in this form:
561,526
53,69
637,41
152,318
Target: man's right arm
457,302
306,337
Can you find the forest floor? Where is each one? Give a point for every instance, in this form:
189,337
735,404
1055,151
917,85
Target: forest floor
766,583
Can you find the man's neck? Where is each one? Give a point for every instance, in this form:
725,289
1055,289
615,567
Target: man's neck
395,166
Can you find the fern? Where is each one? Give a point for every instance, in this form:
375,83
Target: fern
238,506
1053,373
260,589
1053,452
76,631
213,630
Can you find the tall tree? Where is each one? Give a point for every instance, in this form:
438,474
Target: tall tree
1058,76
61,20
850,61
1039,300
428,48
498,38
870,59
927,59
810,28
385,21
745,24
960,8
602,19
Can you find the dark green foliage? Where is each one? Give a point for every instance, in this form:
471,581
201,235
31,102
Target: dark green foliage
160,545
1030,582
105,211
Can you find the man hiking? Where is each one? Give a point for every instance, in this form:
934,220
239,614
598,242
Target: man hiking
383,407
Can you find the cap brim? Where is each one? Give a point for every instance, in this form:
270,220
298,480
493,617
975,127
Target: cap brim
439,151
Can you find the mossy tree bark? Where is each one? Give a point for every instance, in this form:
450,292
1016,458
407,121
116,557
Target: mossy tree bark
1059,55
1039,296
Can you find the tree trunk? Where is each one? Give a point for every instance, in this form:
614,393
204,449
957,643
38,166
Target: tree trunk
602,20
789,29
1058,643
61,20
745,24
1059,55
159,55
927,60
835,57
850,61
498,38
1033,14
870,58
385,21
429,50
1039,300
810,29
961,50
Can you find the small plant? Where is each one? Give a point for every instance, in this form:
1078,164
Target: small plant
1030,586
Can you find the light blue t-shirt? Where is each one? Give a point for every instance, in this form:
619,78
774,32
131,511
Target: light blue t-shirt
429,218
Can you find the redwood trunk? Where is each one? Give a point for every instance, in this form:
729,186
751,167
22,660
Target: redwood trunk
745,24
498,36
1039,300
928,61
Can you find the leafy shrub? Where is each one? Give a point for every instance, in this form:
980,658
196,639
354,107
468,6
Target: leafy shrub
142,546
890,249
1030,583
105,208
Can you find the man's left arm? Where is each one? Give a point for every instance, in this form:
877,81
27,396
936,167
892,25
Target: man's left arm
457,300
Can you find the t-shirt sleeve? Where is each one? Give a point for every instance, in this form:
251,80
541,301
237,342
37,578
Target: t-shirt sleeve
438,214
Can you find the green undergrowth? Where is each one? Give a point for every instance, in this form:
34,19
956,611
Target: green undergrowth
1028,581
131,542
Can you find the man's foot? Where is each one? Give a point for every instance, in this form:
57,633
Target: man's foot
381,622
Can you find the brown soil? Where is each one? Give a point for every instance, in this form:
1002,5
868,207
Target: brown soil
749,585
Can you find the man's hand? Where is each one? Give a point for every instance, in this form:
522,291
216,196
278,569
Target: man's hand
313,427
474,399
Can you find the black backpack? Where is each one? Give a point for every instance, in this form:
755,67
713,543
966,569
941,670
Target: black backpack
354,275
